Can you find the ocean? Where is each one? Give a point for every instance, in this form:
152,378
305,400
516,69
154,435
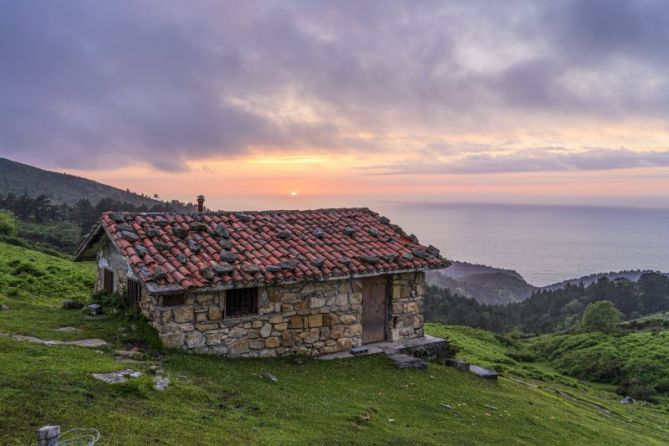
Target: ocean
545,244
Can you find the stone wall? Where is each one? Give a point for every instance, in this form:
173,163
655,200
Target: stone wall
406,292
310,318
110,258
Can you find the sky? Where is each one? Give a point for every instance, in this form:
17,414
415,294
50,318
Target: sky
267,104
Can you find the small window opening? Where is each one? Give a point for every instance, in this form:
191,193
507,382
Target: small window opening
134,293
241,302
108,280
173,300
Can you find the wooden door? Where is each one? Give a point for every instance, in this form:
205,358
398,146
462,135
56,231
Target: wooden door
374,310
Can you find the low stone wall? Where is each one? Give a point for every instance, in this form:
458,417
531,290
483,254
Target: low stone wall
308,319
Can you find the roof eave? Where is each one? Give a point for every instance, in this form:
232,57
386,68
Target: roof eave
156,289
87,243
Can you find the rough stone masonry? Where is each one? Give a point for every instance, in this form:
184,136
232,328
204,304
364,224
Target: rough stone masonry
311,318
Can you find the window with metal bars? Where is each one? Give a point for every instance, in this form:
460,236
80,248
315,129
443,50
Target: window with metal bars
174,300
134,293
108,280
241,302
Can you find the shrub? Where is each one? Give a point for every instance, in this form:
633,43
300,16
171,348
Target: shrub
601,316
637,390
27,268
108,300
523,356
602,363
8,226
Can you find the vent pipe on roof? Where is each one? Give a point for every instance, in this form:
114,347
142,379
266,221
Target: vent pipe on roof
200,203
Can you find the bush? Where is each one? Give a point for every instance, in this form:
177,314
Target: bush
637,390
597,364
601,316
523,356
8,226
63,236
109,300
26,268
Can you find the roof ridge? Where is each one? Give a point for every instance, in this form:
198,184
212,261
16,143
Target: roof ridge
225,212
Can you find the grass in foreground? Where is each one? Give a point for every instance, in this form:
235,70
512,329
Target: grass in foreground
212,400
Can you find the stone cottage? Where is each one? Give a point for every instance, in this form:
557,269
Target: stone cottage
271,283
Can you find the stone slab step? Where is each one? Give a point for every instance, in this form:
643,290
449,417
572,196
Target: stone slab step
457,363
483,373
404,361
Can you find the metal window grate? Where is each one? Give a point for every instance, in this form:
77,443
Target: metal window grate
174,300
134,293
108,280
241,302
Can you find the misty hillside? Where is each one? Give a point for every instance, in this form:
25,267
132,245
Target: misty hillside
496,286
631,275
485,284
20,179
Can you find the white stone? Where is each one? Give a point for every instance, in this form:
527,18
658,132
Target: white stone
266,330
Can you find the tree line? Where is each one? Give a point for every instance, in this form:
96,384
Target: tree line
61,226
84,213
548,311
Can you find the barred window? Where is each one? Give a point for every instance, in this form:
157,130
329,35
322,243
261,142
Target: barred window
173,300
134,293
108,280
241,302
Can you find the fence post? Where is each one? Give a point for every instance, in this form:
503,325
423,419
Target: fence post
48,436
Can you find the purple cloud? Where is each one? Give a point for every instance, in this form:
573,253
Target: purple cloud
89,84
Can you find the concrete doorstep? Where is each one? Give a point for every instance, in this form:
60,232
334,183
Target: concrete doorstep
405,354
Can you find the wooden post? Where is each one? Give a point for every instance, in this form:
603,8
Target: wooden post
48,436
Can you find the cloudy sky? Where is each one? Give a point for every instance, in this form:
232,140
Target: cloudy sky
341,102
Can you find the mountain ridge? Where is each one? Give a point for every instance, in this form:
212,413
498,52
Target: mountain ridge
498,286
20,179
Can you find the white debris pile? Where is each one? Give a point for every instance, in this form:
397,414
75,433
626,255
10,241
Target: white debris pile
160,383
117,377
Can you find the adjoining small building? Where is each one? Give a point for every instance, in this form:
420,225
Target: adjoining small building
270,283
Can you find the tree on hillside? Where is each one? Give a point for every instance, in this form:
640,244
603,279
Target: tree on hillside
654,292
7,224
600,316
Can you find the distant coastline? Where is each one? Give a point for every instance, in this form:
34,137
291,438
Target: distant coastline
546,244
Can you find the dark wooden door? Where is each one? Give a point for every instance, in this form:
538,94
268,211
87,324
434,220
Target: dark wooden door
374,311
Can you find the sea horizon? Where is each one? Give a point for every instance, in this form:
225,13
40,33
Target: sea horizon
546,244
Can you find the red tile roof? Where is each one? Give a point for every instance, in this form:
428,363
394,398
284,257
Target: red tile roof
169,252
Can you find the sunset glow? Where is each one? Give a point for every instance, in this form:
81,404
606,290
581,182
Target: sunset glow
522,110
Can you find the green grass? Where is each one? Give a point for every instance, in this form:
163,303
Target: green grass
29,274
611,358
62,236
212,400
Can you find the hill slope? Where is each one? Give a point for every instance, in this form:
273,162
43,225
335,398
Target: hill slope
22,179
632,276
211,400
485,284
496,286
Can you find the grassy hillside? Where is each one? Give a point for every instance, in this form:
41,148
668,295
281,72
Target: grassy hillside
212,400
22,179
636,361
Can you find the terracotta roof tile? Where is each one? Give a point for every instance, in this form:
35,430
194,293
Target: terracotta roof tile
179,247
